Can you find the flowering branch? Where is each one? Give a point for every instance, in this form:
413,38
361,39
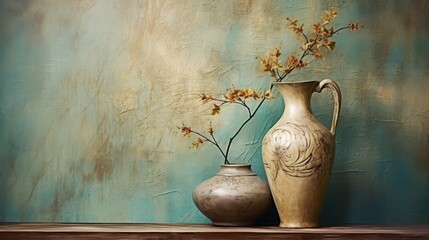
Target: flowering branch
316,43
233,96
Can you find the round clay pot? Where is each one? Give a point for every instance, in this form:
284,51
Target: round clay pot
235,196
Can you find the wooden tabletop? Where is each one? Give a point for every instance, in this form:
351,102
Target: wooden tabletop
185,231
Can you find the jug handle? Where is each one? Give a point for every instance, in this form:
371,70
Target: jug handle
328,83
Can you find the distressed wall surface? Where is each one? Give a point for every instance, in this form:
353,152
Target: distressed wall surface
91,93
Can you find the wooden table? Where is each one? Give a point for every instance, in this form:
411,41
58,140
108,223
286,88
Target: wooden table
181,231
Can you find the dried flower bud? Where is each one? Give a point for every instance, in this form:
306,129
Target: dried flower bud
185,130
210,130
197,142
216,109
355,26
205,98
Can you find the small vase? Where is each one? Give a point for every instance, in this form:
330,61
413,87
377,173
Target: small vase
298,152
235,196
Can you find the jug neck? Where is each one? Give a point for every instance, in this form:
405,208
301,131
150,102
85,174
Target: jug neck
297,97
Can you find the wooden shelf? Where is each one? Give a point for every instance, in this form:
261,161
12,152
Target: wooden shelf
13,231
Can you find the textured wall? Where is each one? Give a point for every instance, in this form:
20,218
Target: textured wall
91,93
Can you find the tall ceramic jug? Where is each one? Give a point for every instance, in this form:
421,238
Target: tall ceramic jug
298,152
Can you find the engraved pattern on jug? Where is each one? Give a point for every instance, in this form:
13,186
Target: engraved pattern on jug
297,150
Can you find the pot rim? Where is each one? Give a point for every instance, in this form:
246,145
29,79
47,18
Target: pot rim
236,165
236,169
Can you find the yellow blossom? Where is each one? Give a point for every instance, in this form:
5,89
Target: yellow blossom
328,44
293,25
268,94
239,92
319,29
247,93
330,14
232,95
317,53
292,61
307,45
197,142
255,94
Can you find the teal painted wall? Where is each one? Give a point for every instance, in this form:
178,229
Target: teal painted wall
91,93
